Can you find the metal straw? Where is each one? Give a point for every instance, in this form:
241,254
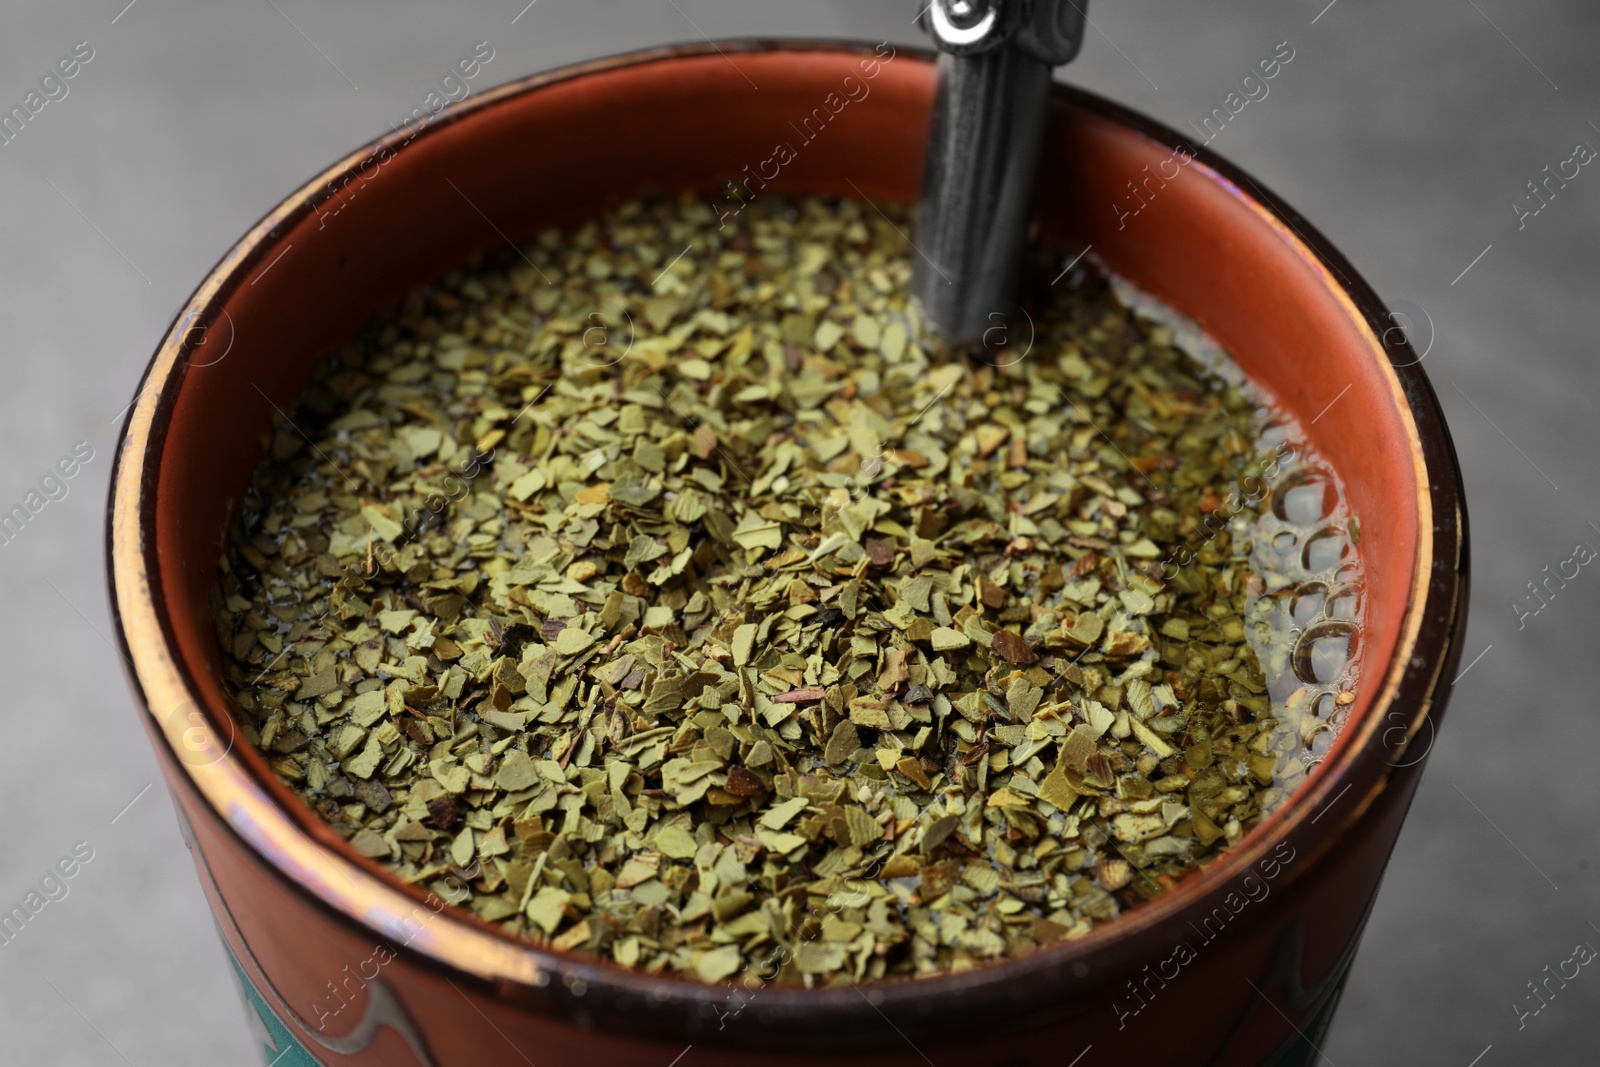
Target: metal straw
983,150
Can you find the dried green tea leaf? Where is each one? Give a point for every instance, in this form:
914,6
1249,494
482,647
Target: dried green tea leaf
719,963
779,815
1057,790
843,741
744,639
517,772
1013,649
571,641
677,842
548,907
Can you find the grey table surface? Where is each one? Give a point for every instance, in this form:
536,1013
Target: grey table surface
1402,131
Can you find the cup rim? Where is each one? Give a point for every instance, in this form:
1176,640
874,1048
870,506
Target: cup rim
357,893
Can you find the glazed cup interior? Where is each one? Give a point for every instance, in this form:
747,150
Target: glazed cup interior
551,152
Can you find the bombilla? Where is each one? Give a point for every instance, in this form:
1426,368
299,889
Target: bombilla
989,109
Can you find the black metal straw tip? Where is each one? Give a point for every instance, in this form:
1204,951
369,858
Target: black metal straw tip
983,150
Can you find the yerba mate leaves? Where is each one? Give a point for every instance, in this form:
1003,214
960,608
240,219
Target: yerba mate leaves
769,636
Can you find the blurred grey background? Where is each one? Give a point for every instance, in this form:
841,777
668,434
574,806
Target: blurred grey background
1402,131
